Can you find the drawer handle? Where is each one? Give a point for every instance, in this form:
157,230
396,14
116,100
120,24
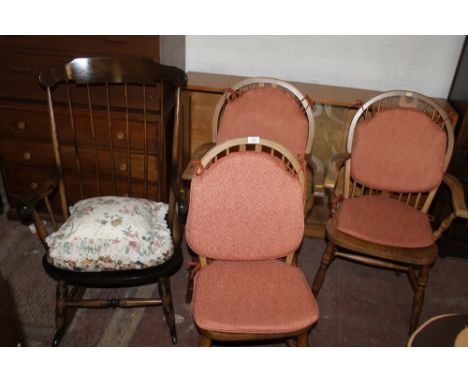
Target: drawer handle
21,125
33,185
27,155
116,40
123,167
120,135
19,69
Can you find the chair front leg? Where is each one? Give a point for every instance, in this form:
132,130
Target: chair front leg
419,298
302,340
327,258
205,341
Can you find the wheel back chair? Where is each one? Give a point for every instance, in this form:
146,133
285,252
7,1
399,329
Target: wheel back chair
272,109
398,148
111,120
245,222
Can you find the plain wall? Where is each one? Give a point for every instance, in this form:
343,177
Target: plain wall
424,64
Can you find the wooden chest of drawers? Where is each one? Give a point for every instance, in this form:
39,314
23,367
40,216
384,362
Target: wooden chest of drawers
26,156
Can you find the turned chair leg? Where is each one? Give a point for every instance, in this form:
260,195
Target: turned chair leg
327,258
60,312
419,298
205,341
302,340
164,286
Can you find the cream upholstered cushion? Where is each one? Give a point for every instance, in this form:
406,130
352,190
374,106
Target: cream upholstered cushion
112,233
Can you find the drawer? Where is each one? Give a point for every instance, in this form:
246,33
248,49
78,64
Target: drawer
31,154
14,152
146,46
33,124
25,124
102,130
105,159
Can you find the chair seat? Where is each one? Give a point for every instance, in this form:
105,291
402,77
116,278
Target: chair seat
111,233
386,221
253,297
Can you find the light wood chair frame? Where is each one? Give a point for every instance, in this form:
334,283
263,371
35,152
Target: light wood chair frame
299,337
415,262
313,163
71,285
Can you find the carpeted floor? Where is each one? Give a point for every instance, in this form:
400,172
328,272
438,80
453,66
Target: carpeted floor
359,305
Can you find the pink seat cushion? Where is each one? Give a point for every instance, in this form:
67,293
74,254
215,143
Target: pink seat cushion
399,150
385,221
269,113
246,206
253,297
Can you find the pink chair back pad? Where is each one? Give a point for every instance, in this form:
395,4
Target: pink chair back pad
246,206
267,112
399,150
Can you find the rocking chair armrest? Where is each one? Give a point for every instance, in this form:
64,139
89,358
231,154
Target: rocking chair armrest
27,205
199,152
335,164
316,165
458,197
180,193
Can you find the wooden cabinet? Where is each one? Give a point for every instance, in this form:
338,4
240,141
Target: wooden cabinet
26,156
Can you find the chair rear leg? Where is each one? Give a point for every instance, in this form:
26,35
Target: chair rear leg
60,312
327,258
164,286
419,298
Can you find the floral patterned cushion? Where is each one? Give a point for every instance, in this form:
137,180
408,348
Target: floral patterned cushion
112,233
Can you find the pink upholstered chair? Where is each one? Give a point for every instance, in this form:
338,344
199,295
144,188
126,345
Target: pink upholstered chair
271,109
245,222
399,146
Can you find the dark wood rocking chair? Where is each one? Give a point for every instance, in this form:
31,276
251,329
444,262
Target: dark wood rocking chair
112,121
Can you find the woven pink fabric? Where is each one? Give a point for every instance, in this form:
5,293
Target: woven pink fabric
253,297
267,112
246,206
399,150
386,221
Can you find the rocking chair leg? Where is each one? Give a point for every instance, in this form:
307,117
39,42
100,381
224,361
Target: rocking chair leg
419,298
60,312
327,258
164,286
